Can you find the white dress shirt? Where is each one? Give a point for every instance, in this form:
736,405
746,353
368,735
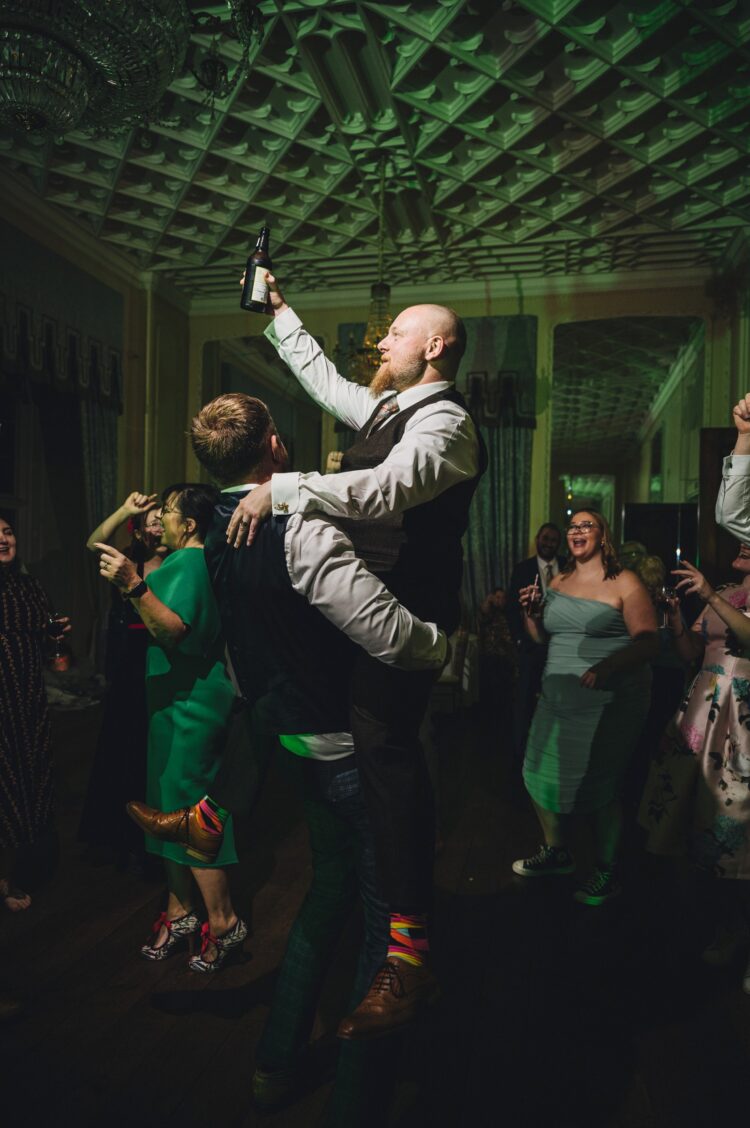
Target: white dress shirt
323,567
437,450
542,565
733,501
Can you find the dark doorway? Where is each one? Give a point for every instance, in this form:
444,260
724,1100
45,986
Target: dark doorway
664,528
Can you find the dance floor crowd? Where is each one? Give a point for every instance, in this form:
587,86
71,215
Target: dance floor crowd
276,649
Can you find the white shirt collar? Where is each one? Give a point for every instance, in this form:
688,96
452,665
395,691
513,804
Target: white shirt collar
542,565
410,396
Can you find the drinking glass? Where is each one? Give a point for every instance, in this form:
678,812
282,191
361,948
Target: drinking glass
664,595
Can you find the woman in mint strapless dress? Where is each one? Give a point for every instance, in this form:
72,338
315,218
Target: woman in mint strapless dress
602,633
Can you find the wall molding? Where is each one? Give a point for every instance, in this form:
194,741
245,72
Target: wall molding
52,228
485,290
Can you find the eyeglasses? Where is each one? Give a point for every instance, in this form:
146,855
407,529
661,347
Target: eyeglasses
584,527
154,525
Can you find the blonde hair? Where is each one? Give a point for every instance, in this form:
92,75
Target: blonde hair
651,571
229,435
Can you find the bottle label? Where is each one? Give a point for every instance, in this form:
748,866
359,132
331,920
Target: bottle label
260,286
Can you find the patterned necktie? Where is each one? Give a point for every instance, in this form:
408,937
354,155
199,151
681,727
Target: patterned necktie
548,574
387,407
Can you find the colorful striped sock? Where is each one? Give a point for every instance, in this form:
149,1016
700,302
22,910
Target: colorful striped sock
409,939
210,816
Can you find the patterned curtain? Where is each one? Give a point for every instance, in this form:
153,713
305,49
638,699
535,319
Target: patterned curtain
99,456
99,448
501,360
61,352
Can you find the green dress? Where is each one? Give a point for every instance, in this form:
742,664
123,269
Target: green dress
580,739
190,699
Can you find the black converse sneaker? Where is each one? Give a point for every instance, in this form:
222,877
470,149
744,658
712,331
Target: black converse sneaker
549,861
601,886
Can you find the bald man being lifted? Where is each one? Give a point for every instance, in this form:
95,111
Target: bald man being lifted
435,448
403,498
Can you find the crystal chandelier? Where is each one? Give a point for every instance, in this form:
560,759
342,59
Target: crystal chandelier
361,364
211,73
87,64
99,65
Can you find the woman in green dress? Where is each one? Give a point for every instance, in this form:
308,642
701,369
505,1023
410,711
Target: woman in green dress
190,700
602,632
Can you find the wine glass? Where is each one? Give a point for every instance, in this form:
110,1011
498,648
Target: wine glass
55,635
664,595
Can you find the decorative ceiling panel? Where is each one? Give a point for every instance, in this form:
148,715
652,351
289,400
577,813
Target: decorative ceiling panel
607,375
520,138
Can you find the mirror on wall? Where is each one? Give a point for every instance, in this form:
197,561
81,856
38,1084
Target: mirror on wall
627,410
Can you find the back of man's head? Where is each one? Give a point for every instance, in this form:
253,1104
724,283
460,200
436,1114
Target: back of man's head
230,436
445,322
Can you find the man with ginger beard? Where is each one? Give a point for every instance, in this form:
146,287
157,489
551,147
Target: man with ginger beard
403,497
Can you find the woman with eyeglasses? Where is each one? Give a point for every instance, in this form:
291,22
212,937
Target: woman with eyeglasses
601,627
696,803
190,703
118,770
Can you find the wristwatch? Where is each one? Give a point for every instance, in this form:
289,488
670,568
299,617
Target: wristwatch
136,592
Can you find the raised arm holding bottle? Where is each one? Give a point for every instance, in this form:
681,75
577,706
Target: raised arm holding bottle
402,496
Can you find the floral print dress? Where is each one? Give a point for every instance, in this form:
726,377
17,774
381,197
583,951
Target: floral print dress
697,798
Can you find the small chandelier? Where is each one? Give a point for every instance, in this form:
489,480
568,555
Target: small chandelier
212,73
361,364
100,66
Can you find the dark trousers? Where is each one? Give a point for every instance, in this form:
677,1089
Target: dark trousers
343,862
244,764
388,707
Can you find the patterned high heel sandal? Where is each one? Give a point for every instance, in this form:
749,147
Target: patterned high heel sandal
182,928
231,942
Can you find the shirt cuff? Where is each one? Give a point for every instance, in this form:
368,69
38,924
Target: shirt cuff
284,494
737,465
282,326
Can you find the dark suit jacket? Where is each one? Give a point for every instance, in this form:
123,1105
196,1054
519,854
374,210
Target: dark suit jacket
523,574
290,662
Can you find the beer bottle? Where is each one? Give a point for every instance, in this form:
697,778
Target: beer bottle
255,290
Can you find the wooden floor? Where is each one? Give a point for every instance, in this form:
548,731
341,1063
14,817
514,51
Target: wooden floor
552,1015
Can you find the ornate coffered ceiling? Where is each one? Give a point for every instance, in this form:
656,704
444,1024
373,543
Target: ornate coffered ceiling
607,376
534,138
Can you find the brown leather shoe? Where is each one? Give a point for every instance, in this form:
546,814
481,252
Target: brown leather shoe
398,993
177,826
